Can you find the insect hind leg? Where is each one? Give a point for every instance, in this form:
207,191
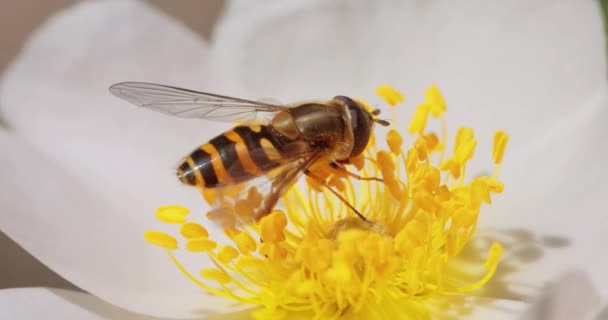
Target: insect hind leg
341,168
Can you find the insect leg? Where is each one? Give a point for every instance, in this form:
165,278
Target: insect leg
341,167
338,195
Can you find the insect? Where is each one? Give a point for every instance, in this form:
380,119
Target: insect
258,154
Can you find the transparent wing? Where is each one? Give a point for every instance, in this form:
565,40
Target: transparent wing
186,103
249,201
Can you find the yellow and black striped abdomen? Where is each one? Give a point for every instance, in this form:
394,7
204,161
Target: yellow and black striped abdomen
235,156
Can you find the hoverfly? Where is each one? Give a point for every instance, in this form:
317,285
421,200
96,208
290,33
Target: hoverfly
281,150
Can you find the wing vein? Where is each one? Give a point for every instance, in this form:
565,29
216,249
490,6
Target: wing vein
186,103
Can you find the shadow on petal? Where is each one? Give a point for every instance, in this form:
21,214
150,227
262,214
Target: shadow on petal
570,296
521,247
471,307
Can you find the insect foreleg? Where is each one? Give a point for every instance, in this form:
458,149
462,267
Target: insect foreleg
337,194
341,168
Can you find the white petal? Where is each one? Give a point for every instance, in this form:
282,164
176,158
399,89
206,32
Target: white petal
46,303
65,224
552,213
65,110
571,296
82,200
514,65
496,309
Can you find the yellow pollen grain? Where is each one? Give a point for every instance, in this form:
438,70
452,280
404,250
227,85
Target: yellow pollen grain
500,144
161,239
227,254
463,136
435,100
200,245
273,251
245,243
394,141
213,274
452,167
411,160
495,186
418,123
231,232
421,149
249,262
390,95
465,150
385,162
193,230
172,214
432,141
272,227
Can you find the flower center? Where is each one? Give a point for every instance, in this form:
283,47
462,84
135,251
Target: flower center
316,257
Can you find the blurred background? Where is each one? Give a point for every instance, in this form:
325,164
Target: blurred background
18,19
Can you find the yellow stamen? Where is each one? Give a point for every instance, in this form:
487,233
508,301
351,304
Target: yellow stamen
394,141
500,144
272,226
193,230
172,214
161,239
213,274
390,95
245,243
200,245
418,123
491,264
317,260
435,100
227,254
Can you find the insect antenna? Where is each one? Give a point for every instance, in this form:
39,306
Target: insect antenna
382,122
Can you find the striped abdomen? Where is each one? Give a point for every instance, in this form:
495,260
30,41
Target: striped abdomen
235,156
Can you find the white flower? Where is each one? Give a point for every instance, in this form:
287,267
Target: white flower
570,296
80,170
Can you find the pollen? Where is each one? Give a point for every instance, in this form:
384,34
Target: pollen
161,239
500,143
315,259
172,214
390,95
